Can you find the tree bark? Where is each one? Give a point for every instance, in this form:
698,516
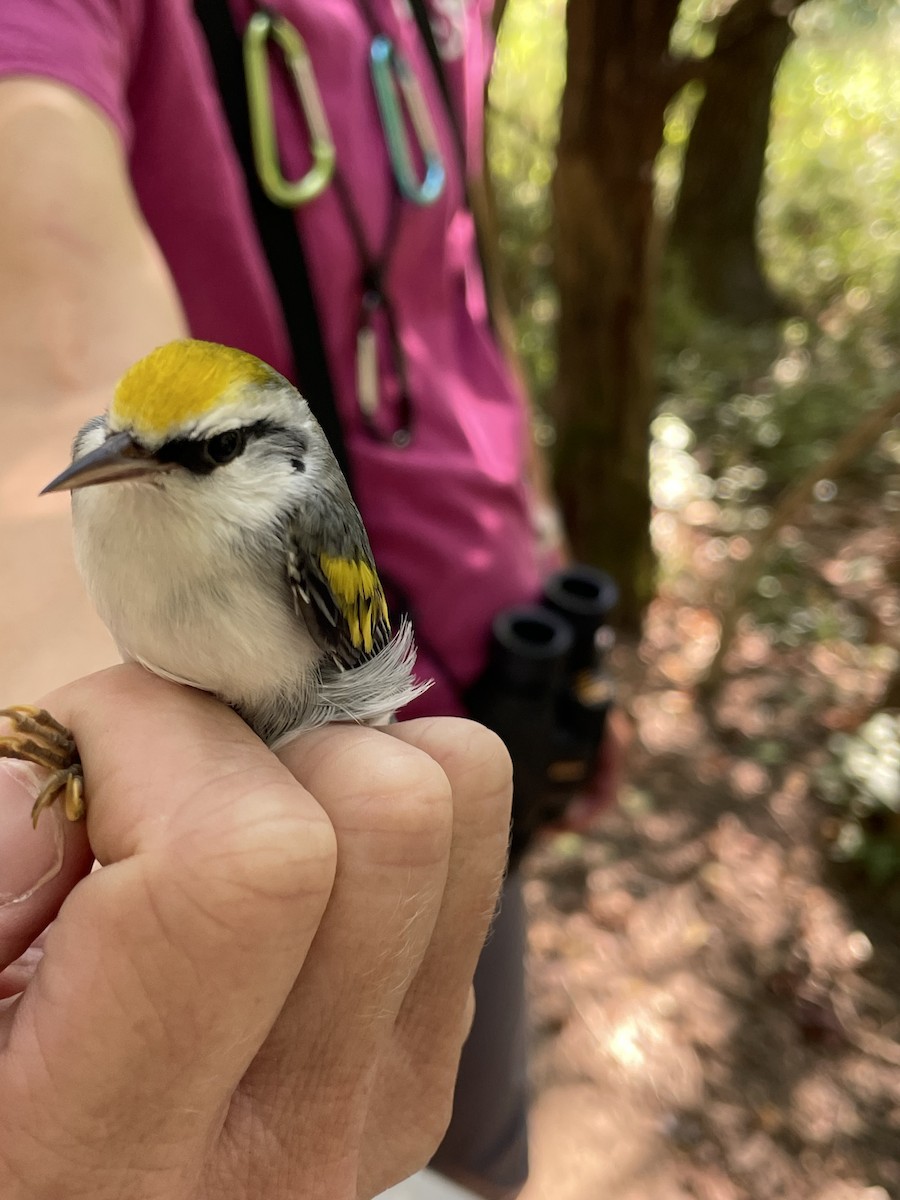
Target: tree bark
714,230
618,85
497,15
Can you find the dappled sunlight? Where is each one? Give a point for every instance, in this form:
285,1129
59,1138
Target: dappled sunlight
834,136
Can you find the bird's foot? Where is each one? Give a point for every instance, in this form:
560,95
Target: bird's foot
40,739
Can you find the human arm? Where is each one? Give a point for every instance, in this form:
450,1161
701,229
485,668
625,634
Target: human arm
264,991
84,290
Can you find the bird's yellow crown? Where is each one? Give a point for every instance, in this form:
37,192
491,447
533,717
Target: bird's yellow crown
179,382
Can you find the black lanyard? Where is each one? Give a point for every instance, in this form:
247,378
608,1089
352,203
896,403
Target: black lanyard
279,236
375,303
277,229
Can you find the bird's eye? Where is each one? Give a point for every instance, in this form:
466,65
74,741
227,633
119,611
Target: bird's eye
225,447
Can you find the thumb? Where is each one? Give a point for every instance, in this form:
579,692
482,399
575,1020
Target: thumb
38,867
166,969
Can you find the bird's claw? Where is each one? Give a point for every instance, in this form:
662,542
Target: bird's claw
40,739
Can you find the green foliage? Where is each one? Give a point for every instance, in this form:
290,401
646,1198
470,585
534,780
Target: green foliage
763,406
828,223
679,119
743,412
522,129
773,399
862,781
694,31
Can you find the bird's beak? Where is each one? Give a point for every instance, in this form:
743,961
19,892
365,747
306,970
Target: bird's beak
120,457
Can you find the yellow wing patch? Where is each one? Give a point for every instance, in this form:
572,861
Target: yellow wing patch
179,382
359,595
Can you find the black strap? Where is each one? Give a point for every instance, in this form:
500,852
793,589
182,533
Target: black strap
277,230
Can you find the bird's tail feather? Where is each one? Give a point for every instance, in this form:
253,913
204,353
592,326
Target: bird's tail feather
371,693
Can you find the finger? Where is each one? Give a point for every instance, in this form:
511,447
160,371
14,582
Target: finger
165,970
38,867
478,769
18,974
390,807
436,1012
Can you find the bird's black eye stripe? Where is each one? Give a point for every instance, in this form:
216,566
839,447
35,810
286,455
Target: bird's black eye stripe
203,456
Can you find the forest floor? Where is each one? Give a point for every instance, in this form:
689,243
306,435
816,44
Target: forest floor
715,1009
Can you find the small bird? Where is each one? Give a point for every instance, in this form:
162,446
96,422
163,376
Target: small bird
219,542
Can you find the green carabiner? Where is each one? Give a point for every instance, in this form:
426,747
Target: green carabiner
390,69
289,193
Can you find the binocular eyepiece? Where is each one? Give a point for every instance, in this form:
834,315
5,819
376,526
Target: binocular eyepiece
546,692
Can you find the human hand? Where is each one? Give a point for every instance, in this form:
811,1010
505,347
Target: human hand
264,992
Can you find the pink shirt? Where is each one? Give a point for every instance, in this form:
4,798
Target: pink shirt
448,515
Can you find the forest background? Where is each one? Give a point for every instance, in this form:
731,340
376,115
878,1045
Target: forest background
696,216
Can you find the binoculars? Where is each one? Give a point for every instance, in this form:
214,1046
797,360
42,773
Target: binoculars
546,692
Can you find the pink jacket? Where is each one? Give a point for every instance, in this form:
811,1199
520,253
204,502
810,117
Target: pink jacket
448,514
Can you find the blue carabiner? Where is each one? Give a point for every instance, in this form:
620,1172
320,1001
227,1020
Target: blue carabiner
392,78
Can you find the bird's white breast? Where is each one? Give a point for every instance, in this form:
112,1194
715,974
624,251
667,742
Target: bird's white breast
172,577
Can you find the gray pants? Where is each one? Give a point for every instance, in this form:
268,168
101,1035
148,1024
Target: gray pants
486,1145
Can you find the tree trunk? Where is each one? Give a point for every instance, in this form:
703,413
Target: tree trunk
497,15
714,230
618,85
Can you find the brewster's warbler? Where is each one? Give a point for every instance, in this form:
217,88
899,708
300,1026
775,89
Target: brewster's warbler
219,541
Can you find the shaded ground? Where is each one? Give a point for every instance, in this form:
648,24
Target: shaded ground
715,1002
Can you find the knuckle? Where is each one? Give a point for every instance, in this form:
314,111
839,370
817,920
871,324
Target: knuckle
478,765
407,800
489,758
272,850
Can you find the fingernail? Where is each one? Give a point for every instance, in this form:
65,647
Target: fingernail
29,857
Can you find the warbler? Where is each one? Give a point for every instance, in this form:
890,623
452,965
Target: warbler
220,544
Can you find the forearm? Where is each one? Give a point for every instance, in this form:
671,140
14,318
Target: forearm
83,287
83,293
